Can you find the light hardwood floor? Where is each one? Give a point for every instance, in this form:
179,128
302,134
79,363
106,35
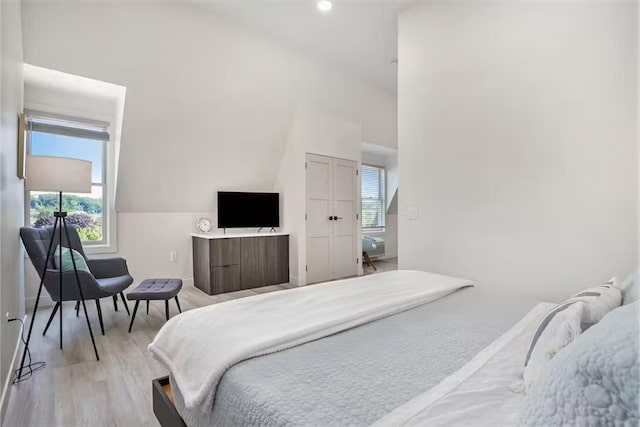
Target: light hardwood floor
382,265
76,390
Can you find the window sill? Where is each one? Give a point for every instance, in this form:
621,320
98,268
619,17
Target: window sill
373,231
98,249
90,250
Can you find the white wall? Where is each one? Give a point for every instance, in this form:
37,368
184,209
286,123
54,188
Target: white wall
518,142
11,190
290,183
209,103
318,132
209,107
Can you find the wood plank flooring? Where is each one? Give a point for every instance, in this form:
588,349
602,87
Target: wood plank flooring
388,264
75,390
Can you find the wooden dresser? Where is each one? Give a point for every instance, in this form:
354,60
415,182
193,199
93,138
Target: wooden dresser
229,263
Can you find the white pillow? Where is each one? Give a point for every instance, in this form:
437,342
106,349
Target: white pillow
631,288
556,330
564,323
599,301
632,292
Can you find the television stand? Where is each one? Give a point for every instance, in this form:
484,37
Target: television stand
272,230
237,262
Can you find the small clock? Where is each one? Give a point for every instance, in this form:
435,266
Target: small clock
204,224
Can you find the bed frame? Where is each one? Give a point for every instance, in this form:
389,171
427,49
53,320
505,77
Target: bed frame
163,404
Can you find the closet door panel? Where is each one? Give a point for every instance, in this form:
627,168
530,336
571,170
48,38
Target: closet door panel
345,227
319,207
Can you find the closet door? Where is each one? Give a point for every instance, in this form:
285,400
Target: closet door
332,224
319,228
345,223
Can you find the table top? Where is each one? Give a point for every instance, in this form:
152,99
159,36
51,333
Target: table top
236,235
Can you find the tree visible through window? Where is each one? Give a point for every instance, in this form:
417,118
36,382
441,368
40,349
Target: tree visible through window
85,211
373,197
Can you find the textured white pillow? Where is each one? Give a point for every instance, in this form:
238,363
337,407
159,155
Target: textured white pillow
599,301
565,322
556,330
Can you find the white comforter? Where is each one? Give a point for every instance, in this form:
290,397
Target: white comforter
200,345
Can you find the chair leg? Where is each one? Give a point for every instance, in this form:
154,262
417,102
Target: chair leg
60,318
100,315
133,317
115,302
77,308
166,309
124,302
53,313
147,307
369,262
178,304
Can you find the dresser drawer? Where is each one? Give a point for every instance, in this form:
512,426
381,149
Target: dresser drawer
225,252
225,278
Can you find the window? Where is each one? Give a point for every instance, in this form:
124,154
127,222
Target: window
59,136
373,197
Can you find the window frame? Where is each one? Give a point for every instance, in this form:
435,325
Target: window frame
383,191
108,243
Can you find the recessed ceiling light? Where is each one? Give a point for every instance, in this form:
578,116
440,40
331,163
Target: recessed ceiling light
324,5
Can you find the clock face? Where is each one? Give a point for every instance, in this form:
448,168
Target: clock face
204,224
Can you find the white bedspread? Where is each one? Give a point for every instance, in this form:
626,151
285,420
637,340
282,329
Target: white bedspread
199,345
481,392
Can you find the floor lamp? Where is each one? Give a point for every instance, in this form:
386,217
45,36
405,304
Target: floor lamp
57,174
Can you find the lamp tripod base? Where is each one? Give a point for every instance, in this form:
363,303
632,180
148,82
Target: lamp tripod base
60,224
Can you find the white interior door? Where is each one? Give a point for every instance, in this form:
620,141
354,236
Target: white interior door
345,220
319,227
332,221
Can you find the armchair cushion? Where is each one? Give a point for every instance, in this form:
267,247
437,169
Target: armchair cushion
115,285
70,292
108,267
66,262
368,244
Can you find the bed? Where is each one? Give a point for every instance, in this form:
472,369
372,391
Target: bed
453,357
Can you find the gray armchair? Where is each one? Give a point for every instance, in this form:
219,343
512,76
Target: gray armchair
107,277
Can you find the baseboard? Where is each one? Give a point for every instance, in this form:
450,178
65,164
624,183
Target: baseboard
6,389
294,280
45,301
383,257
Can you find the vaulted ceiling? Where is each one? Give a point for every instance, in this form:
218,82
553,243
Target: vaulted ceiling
359,35
211,96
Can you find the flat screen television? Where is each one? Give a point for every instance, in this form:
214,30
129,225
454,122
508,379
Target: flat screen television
248,210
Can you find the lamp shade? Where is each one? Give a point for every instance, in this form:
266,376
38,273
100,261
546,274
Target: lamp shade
58,174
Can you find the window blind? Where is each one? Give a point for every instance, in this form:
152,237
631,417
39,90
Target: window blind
67,126
373,197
